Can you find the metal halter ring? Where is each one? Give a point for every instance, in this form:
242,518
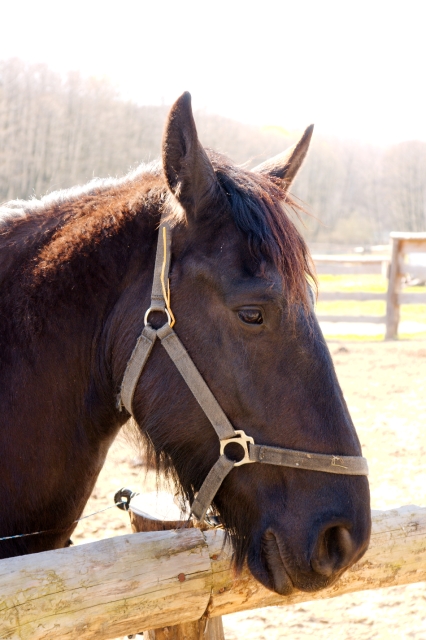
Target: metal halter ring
242,439
161,310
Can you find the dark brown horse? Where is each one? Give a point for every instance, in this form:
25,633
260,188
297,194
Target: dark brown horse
76,272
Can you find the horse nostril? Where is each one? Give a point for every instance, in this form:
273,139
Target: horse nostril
334,551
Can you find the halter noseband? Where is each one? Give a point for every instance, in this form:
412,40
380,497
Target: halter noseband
160,301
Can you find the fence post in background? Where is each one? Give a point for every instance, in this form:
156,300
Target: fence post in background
394,286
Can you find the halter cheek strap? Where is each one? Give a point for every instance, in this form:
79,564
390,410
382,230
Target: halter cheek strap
160,301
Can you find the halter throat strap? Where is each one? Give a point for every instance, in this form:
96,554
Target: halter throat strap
160,301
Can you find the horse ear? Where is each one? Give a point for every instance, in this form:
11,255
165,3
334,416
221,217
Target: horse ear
286,165
188,170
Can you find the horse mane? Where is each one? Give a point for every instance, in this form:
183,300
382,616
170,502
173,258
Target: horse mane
72,222
73,216
70,244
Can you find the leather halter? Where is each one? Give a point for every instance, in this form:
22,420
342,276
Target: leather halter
160,301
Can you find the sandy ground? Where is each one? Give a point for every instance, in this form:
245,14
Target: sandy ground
385,387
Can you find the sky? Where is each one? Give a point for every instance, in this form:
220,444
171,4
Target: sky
354,68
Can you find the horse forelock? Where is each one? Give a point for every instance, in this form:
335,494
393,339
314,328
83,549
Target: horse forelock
261,209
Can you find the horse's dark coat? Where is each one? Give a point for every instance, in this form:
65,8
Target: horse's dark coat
76,271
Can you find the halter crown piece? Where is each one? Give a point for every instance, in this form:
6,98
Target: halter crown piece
160,301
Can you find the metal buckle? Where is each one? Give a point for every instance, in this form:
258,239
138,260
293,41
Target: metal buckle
242,439
160,309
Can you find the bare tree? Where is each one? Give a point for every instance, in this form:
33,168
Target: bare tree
403,185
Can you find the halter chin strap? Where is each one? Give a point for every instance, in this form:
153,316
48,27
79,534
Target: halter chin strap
160,301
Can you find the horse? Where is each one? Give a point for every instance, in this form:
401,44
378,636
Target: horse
76,272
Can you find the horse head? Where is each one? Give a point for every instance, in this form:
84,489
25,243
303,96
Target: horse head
239,292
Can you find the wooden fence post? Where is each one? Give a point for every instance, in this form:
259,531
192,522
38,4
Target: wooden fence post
209,629
152,519
394,286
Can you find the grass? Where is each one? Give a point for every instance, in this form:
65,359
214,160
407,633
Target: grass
371,284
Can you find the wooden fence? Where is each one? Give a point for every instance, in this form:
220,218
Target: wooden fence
402,245
123,585
338,265
393,266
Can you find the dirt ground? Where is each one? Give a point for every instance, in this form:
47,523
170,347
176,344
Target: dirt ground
385,387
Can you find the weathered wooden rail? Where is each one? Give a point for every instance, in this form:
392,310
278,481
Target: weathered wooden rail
123,585
337,265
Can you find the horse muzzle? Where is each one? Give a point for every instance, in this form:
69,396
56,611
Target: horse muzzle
284,569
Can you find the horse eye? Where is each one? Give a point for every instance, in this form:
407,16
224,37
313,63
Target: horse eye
250,316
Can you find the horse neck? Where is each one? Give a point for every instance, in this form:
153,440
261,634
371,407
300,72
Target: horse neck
58,399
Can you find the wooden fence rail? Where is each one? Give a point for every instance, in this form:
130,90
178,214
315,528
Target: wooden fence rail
338,265
123,585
